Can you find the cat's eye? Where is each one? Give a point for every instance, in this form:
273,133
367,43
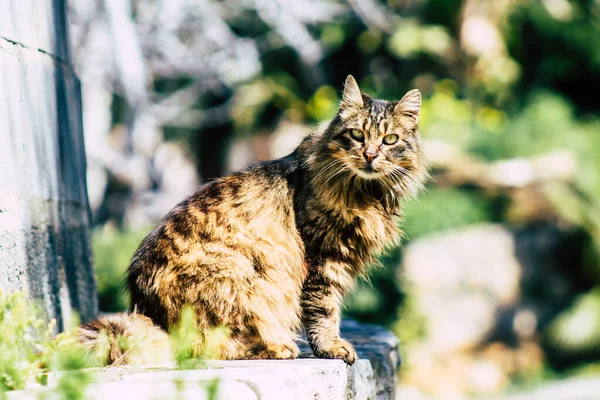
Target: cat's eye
390,139
356,134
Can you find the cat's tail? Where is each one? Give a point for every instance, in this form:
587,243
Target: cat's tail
126,339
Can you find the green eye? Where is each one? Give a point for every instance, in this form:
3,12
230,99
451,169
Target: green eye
390,139
356,134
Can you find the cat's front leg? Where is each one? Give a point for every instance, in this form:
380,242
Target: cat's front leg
321,298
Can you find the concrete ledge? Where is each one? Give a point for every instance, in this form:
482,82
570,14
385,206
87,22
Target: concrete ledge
373,376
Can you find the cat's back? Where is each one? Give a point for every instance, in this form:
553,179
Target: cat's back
239,229
252,201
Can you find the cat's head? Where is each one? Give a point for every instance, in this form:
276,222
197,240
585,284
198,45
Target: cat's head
377,139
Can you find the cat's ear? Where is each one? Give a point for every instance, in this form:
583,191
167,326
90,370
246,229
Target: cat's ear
352,97
409,106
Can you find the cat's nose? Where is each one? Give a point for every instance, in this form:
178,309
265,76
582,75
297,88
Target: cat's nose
370,155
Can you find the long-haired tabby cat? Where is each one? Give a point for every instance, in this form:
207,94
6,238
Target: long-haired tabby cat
275,247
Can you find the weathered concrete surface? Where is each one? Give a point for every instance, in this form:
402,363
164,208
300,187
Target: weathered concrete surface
44,217
373,376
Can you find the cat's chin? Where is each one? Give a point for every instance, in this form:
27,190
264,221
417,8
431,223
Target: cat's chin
367,173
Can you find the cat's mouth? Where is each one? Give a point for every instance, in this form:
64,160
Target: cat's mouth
369,169
365,171
368,172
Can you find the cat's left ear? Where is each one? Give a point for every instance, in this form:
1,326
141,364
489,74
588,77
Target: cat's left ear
409,106
352,97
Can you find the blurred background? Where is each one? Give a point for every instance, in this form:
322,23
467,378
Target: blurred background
497,286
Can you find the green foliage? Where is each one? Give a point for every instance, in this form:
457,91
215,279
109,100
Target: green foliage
333,36
545,124
23,341
446,116
212,389
412,38
113,250
323,104
441,209
579,203
376,298
577,329
592,370
558,47
580,206
28,353
190,347
185,339
74,379
410,324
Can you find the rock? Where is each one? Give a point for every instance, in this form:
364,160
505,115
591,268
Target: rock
485,292
44,214
460,279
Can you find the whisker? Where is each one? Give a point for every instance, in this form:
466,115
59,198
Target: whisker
325,169
342,169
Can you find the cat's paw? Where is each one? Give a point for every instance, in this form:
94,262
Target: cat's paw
278,351
338,349
286,351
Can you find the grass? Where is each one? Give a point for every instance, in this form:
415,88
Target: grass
29,351
113,250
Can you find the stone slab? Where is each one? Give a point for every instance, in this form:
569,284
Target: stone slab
372,377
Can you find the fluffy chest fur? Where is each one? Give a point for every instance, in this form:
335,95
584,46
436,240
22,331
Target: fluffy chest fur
334,231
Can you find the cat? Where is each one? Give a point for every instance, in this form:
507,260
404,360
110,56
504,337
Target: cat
275,247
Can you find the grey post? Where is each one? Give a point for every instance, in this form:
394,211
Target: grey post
44,212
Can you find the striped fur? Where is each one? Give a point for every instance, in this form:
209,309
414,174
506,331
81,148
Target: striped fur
278,245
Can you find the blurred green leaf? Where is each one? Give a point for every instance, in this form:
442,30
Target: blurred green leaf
113,249
577,329
323,104
441,209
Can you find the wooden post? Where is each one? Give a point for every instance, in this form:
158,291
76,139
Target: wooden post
44,213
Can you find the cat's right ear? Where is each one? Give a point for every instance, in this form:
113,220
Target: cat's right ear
410,106
352,97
